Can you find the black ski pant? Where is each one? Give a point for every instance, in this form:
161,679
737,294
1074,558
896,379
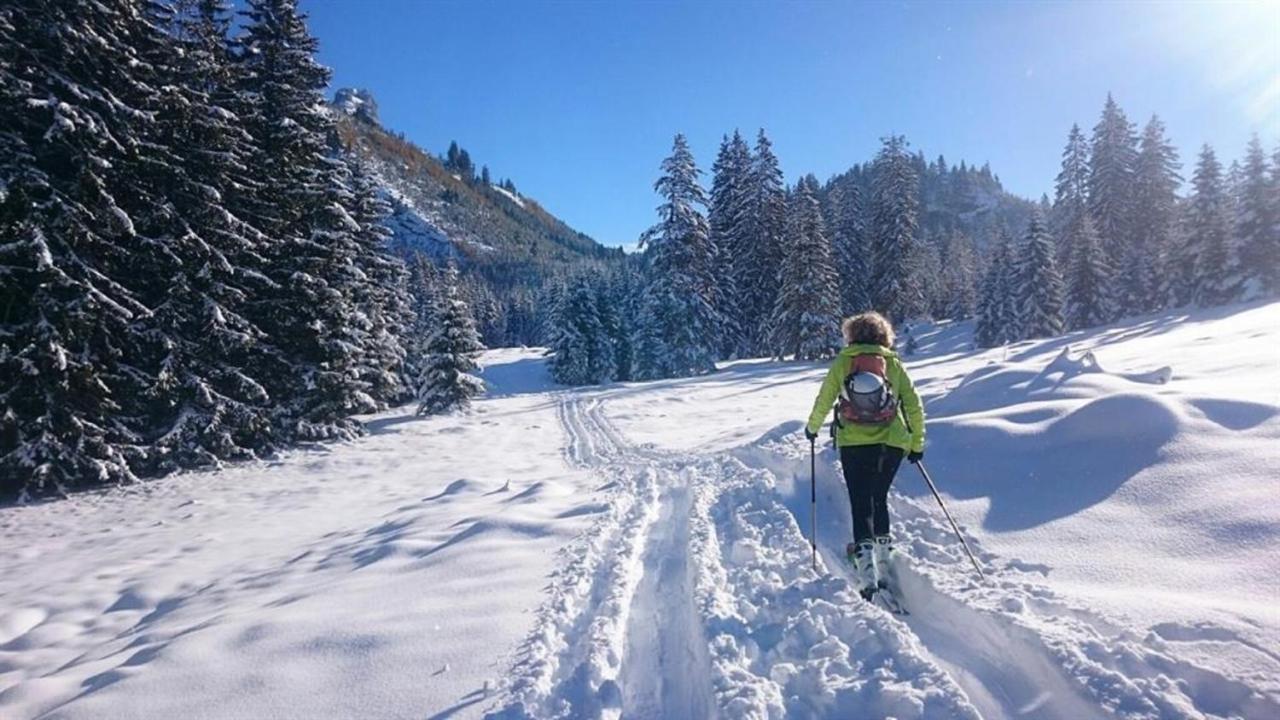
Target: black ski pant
868,473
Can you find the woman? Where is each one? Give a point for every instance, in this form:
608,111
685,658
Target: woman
879,418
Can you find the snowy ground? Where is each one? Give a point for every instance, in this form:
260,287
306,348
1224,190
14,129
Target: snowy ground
640,551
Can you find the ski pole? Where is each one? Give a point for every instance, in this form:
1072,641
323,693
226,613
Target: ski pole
813,504
947,512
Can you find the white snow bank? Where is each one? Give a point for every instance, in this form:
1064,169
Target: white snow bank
387,577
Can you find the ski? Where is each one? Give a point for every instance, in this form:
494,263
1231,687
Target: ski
889,600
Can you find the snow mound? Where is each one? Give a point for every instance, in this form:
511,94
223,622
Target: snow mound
1005,384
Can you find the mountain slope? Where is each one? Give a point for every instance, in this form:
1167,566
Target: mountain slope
507,242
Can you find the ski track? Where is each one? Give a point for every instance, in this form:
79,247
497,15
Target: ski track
693,595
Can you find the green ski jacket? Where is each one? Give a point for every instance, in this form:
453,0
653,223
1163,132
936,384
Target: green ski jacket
906,432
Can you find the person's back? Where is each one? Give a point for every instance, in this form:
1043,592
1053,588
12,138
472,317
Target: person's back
879,420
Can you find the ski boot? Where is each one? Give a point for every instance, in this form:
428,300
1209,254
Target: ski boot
886,563
862,557
887,586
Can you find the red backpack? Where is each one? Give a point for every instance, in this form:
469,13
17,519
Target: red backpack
866,397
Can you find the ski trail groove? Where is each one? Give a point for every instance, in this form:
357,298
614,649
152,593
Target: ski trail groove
662,674
605,644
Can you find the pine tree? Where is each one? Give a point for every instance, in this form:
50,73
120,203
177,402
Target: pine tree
678,293
1112,157
925,270
850,251
323,275
380,295
650,359
894,219
756,263
959,278
423,287
605,352
584,344
445,382
311,260
727,218
578,335
76,101
1039,290
805,314
1155,184
1258,228
623,293
1089,281
205,402
1209,234
995,316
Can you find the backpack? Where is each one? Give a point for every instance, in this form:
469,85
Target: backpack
866,398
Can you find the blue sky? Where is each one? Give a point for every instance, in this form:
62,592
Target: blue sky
577,102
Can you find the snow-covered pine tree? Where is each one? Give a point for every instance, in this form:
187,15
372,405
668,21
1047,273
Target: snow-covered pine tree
1089,281
727,217
678,252
1039,290
485,308
1113,152
650,359
76,102
1070,189
583,346
446,381
1209,234
806,313
606,352
577,329
893,221
995,318
959,277
1007,301
1257,227
926,276
330,352
756,263
1155,185
622,292
849,249
309,312
206,403
424,283
381,293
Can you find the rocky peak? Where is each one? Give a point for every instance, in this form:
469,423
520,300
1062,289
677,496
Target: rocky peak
358,103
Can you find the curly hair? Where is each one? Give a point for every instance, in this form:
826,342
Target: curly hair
868,328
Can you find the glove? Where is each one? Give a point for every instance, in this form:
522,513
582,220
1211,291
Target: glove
915,456
809,434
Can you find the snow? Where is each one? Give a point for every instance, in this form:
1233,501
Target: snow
640,550
338,581
509,195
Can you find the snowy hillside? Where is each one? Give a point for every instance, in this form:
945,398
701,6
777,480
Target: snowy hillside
437,211
640,550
